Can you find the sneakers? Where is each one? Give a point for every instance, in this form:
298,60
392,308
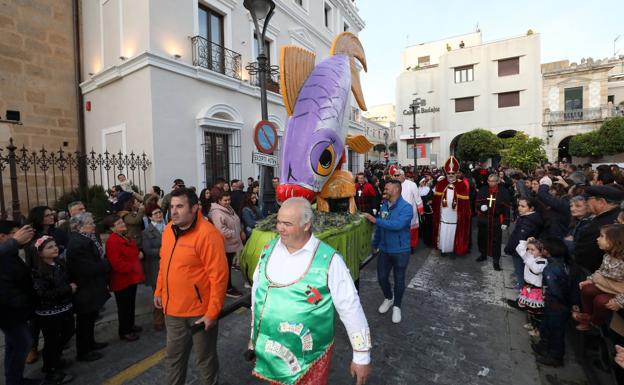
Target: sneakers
396,314
233,293
386,305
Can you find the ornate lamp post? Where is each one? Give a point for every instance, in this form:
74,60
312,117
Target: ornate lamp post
413,109
262,10
385,134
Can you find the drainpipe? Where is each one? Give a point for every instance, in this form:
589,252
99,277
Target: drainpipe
82,165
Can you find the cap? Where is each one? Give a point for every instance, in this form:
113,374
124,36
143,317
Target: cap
610,193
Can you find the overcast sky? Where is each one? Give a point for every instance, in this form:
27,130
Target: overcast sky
569,29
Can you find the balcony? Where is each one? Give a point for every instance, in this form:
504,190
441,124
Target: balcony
273,81
578,115
215,57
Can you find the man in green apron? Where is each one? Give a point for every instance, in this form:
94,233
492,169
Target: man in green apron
298,283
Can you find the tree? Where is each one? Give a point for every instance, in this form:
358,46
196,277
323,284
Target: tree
607,140
523,152
380,147
478,145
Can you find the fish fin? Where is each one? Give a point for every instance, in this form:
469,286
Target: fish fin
359,143
296,64
352,206
339,185
356,86
322,205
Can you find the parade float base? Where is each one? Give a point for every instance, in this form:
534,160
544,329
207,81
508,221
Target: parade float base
349,234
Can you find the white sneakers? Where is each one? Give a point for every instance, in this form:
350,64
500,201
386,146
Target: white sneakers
396,314
386,305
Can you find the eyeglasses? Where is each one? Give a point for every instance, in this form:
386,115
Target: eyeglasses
397,175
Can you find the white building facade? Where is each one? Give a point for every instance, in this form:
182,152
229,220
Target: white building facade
168,78
467,84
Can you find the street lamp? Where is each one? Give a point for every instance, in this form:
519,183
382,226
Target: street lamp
386,143
262,10
413,109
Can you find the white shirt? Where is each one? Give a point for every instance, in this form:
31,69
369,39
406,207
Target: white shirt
284,268
533,266
410,193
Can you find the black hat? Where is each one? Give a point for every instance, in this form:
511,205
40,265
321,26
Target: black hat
609,193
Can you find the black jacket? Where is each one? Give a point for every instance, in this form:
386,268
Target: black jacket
17,296
52,286
527,226
587,254
89,271
559,212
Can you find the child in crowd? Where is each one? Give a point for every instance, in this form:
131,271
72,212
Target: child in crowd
54,311
603,291
556,290
531,293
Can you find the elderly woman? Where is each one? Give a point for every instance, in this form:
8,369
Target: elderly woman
88,269
224,218
152,238
126,272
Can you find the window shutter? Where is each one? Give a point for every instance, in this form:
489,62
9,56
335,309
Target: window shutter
464,104
508,99
508,67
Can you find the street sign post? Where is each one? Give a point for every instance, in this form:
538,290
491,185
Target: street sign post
265,137
264,159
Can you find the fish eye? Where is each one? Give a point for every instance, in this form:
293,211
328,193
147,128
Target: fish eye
326,158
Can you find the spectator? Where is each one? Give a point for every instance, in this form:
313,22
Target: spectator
392,234
228,224
127,186
554,197
126,272
250,213
205,202
250,182
88,269
132,215
54,309
531,296
17,301
410,194
237,195
157,191
364,195
152,237
581,216
74,208
191,289
177,183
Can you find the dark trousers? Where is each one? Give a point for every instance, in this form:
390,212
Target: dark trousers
398,264
85,330
594,303
126,299
518,264
552,331
35,330
230,259
57,331
490,238
17,343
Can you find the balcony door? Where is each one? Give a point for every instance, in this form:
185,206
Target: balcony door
573,103
211,29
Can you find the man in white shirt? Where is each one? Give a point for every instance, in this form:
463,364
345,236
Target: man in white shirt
410,193
297,283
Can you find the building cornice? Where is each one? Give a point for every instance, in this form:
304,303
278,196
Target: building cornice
578,69
149,59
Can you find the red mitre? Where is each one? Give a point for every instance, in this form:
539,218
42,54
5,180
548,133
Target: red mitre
451,165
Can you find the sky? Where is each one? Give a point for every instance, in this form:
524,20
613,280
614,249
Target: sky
569,29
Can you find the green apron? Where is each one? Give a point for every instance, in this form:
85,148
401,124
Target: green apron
293,324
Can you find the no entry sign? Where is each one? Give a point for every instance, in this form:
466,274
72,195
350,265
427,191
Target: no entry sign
265,137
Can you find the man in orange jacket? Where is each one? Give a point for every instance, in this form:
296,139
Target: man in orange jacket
191,288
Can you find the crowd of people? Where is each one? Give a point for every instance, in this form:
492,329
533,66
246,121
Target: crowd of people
565,238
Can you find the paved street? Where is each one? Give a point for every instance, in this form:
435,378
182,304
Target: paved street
456,329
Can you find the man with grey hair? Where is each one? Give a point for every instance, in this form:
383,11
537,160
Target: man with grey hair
298,282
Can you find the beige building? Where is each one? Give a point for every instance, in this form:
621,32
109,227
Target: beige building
37,74
577,98
384,114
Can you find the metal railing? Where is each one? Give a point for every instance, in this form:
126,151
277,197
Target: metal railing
584,114
215,57
273,81
41,177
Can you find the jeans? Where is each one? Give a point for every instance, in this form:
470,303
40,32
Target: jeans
18,341
518,270
398,263
126,299
552,331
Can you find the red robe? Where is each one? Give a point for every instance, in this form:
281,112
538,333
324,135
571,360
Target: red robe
462,202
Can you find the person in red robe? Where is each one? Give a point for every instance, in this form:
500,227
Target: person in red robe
451,212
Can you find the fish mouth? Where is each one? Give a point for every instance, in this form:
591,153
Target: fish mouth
285,191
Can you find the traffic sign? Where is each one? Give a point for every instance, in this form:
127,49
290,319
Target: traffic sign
264,159
265,137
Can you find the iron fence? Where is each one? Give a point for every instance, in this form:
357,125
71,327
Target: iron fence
41,177
273,81
581,114
215,57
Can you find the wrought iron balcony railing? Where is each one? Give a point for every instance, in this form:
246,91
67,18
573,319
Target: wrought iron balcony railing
584,114
273,80
215,57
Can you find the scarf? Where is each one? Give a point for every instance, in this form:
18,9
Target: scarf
95,240
159,226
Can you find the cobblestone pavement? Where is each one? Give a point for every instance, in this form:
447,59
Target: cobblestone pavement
456,329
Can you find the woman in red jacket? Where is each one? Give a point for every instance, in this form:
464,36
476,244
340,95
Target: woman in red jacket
126,272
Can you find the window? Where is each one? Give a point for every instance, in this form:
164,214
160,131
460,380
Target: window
267,48
611,99
424,60
345,27
355,114
299,2
509,99
354,161
464,74
216,157
327,13
464,104
211,29
508,67
573,103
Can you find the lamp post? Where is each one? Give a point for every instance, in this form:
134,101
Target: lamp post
413,109
262,10
386,144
